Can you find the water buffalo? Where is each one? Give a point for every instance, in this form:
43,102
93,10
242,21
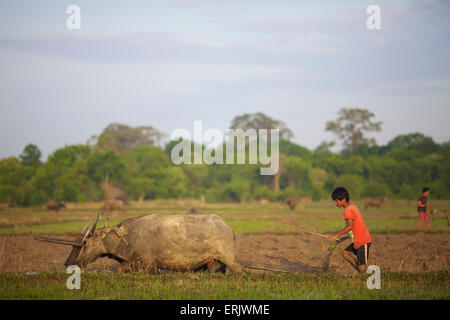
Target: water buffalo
112,192
156,242
374,202
54,206
113,205
193,210
291,203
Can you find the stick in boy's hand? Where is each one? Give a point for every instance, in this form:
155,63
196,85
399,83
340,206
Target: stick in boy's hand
306,231
332,237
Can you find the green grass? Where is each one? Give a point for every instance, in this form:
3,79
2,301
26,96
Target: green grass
252,226
64,227
239,226
101,285
375,226
328,226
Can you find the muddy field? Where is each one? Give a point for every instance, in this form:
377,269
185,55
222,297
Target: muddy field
418,252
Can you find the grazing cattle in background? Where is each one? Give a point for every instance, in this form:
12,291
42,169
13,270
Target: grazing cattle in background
291,203
54,206
113,205
156,242
193,210
374,202
112,192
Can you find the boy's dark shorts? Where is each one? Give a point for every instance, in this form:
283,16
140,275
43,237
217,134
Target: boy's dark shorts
362,253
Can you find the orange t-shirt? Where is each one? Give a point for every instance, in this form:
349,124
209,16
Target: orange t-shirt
360,232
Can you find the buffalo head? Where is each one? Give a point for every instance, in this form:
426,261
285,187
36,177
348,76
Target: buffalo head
87,246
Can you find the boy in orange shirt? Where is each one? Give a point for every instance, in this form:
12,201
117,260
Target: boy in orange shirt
355,223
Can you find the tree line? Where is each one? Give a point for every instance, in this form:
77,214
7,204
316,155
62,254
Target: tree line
134,161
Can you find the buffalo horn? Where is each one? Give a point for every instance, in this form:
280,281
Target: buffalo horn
58,241
95,224
83,232
106,223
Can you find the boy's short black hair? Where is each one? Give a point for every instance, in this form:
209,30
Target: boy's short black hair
425,189
340,193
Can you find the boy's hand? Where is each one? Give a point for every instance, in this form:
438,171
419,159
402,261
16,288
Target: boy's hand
332,237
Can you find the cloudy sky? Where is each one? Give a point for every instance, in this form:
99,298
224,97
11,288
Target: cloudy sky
167,63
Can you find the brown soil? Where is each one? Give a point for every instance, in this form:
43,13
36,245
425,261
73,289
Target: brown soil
417,253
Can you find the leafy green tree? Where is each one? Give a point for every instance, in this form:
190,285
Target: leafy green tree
291,149
319,178
261,121
399,169
12,172
11,195
394,174
445,170
67,189
145,167
66,157
412,146
176,182
414,141
298,173
101,164
194,146
65,175
350,127
13,175
288,192
352,182
31,155
140,187
375,189
325,147
145,157
365,150
196,176
262,192
236,190
169,182
32,196
120,137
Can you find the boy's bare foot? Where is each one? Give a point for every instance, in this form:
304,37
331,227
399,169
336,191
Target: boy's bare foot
361,268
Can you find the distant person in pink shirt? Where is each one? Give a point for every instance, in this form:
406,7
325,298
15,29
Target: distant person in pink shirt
422,209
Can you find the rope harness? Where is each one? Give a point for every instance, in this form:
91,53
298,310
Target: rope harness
120,234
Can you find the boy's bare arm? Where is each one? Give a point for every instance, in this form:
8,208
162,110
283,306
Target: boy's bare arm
348,228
